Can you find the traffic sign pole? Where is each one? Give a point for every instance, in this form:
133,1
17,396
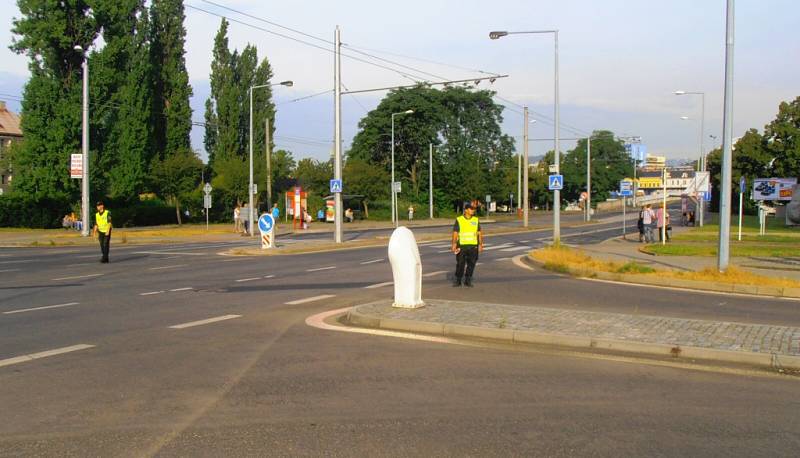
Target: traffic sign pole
742,184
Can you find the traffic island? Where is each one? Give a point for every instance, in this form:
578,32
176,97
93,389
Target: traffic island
575,262
764,346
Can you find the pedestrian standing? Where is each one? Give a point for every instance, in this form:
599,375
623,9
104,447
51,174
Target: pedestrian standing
467,244
640,225
276,212
102,229
648,220
237,220
662,216
410,212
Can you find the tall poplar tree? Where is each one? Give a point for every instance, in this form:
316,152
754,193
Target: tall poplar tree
172,114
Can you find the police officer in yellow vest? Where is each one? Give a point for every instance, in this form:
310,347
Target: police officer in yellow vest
467,243
102,228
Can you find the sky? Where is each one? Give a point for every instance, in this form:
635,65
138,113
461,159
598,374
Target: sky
620,62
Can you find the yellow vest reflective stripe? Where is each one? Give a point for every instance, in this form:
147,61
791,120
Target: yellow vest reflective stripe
467,230
102,221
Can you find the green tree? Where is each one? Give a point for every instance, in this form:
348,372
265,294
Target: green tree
610,164
314,176
172,114
367,180
782,137
176,176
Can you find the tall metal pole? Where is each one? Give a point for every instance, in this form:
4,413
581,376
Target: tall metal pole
85,143
727,133
589,179
557,193
394,220
269,164
519,178
337,158
664,206
250,188
430,179
524,196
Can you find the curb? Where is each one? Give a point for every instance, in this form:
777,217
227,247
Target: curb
766,360
656,281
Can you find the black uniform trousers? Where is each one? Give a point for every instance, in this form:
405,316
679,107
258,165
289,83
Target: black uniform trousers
105,244
466,258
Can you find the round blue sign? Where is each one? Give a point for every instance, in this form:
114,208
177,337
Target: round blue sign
266,223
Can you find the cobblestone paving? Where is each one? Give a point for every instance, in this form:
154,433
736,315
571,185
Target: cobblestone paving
781,340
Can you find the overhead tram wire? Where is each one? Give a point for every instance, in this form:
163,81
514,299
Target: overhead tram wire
413,78
390,62
305,97
543,118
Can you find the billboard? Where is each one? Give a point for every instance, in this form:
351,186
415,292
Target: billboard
773,188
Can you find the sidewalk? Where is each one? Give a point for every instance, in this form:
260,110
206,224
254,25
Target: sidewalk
753,344
621,250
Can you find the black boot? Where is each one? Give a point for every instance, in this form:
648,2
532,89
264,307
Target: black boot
468,282
456,283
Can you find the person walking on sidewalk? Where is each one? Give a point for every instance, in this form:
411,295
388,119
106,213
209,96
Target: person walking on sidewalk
662,216
467,244
648,220
102,229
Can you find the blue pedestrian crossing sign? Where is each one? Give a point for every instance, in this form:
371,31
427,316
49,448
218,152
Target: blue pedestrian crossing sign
625,188
265,223
336,186
556,183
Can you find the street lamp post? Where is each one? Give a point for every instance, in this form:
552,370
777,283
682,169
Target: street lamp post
589,180
250,187
727,137
556,194
701,165
85,144
394,194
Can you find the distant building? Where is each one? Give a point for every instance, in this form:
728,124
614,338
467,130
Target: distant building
10,132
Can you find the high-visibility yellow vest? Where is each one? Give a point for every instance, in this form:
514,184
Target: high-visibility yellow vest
467,230
102,221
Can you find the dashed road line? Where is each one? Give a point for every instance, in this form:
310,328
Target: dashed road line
310,299
77,277
168,267
372,262
187,288
169,253
379,285
242,280
440,245
320,268
524,241
40,308
10,270
43,354
516,248
19,261
501,259
445,251
431,274
151,293
498,247
206,321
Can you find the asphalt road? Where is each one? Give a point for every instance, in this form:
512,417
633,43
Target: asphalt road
193,354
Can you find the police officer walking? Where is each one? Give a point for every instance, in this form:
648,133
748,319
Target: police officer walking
467,243
102,229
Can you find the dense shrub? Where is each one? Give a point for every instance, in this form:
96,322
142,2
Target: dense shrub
21,211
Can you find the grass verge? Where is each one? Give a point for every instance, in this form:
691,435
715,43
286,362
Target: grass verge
574,262
776,250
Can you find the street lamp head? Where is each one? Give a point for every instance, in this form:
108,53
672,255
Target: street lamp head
680,92
685,118
78,48
497,34
409,111
287,83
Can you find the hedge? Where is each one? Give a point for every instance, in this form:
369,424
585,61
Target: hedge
47,213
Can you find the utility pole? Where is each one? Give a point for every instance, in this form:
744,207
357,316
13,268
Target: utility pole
557,193
727,133
589,179
337,157
430,179
250,187
524,196
269,165
85,209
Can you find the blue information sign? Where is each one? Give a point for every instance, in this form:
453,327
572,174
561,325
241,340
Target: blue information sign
266,223
556,182
626,188
336,186
742,184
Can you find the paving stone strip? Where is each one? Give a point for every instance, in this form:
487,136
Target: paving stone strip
757,338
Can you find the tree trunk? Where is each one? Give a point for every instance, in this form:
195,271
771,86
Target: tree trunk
366,210
178,211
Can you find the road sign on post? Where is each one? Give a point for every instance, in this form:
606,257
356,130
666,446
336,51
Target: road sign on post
556,182
207,188
336,186
398,186
266,224
76,166
626,188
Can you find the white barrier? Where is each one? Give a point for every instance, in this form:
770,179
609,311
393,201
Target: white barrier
406,269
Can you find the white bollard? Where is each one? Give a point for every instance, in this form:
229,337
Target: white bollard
406,269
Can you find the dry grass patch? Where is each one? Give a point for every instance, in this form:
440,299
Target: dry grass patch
733,275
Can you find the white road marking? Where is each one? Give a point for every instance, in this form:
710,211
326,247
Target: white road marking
379,285
524,241
169,253
445,251
431,274
443,245
81,264
310,299
206,321
168,267
268,276
502,259
171,257
320,268
40,308
77,276
43,354
87,256
517,248
232,260
18,261
498,247
478,263
372,262
151,293
181,289
318,321
247,279
10,270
